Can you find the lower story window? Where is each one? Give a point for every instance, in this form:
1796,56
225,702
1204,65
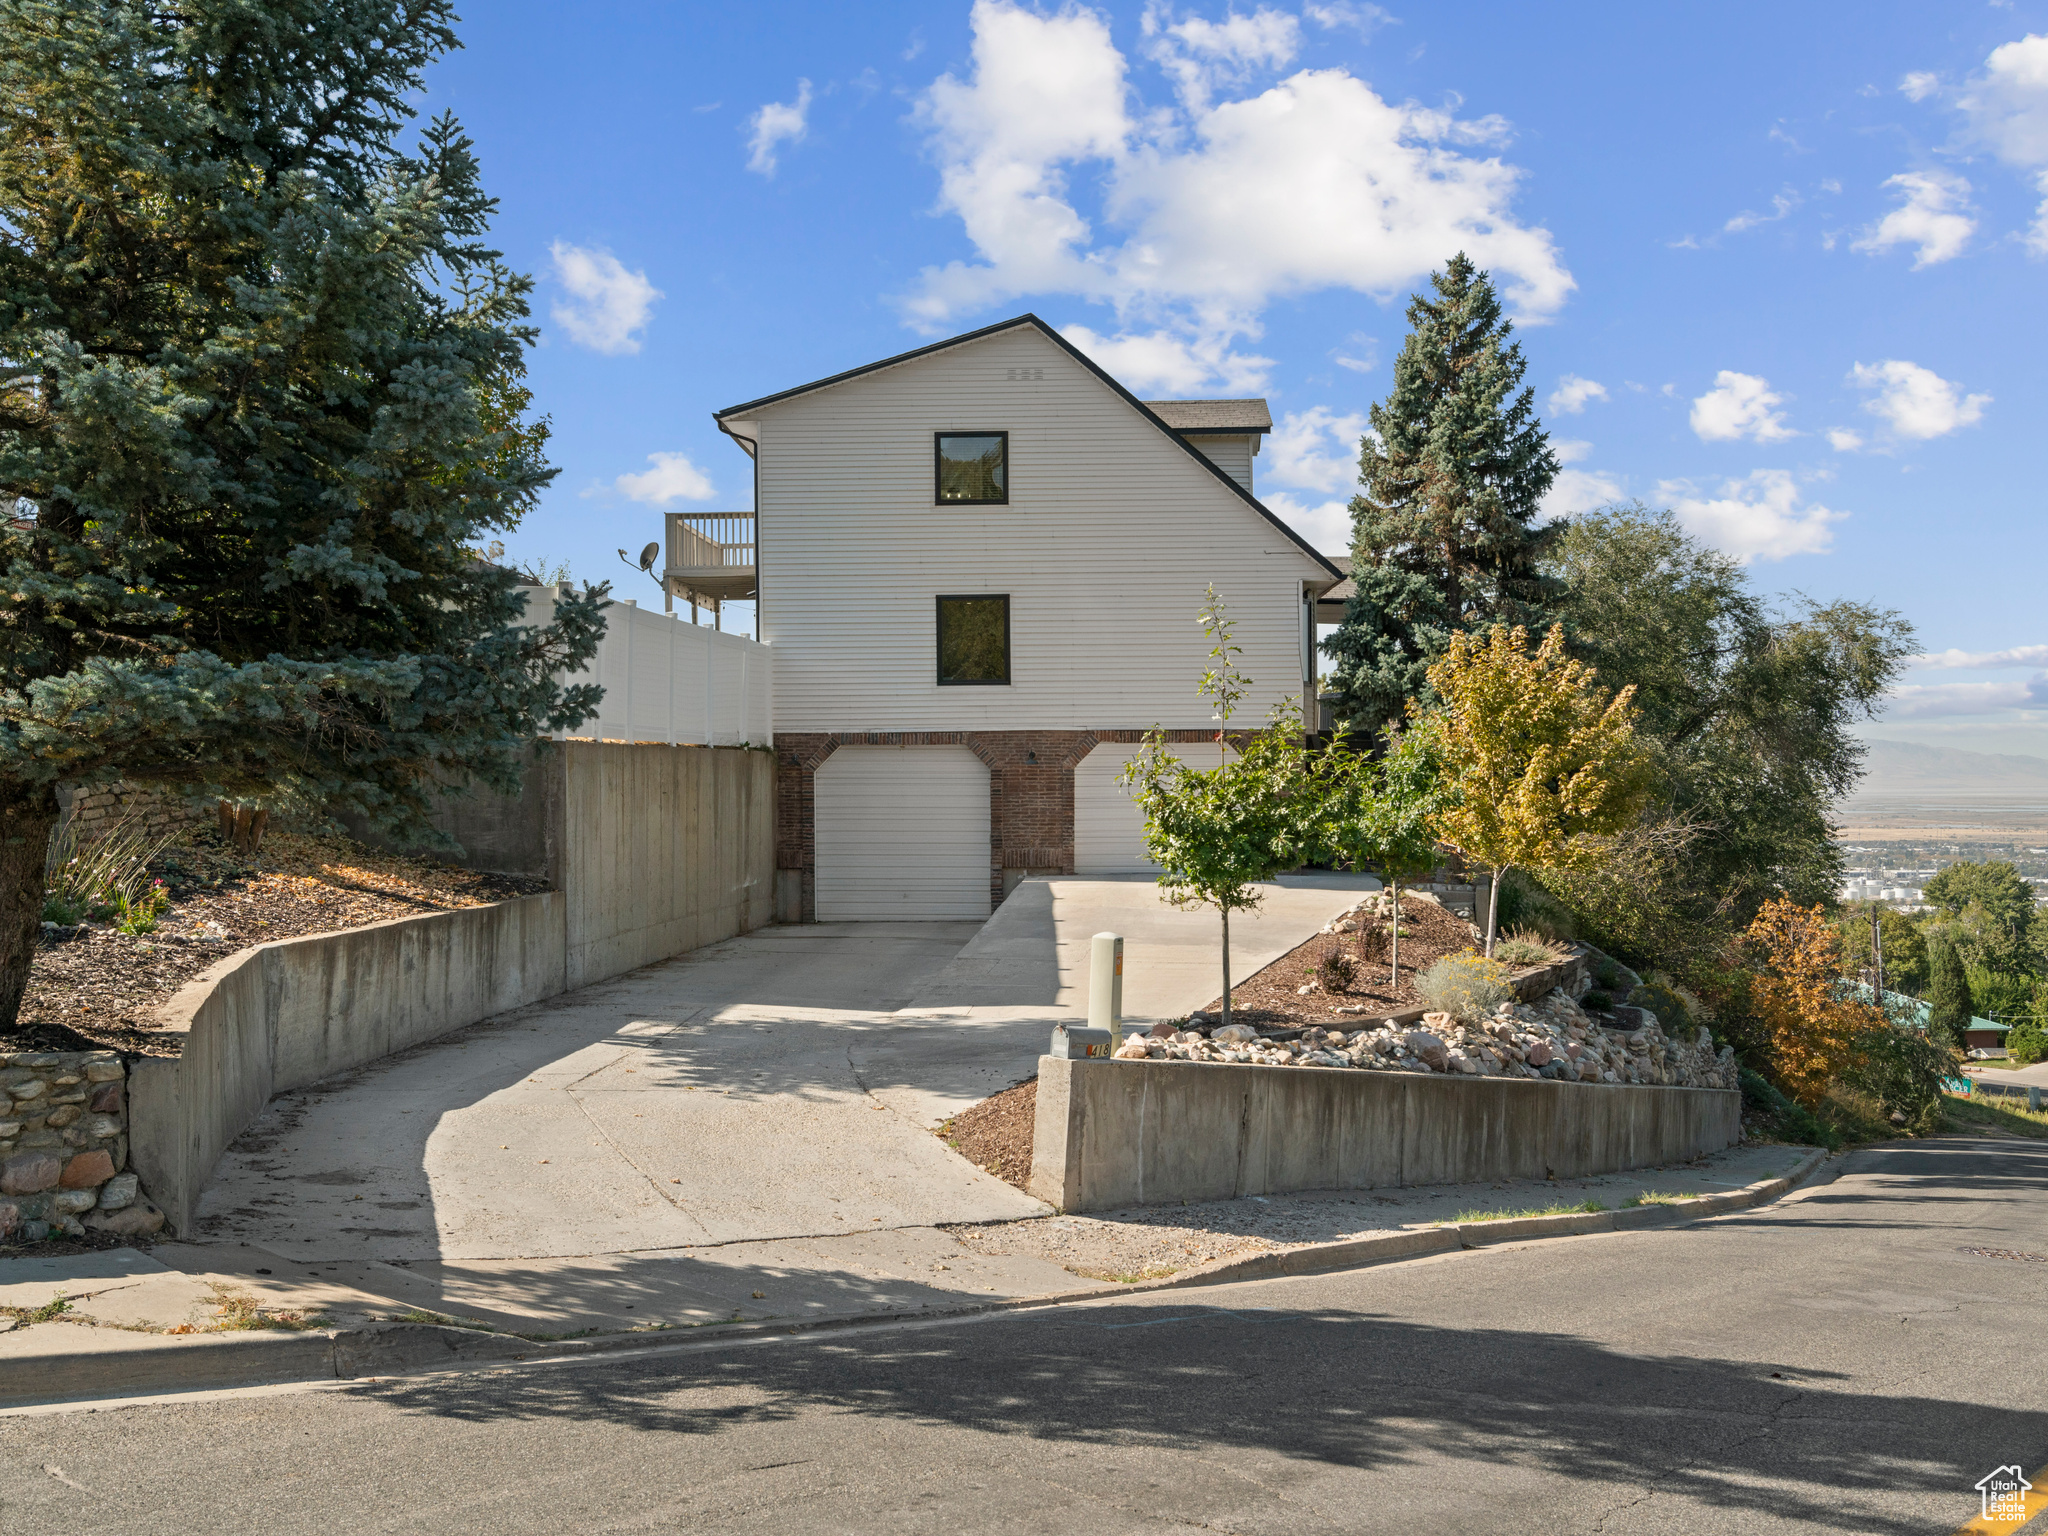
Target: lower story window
974,639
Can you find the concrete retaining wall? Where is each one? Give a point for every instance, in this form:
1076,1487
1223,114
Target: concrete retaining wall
1111,1134
658,850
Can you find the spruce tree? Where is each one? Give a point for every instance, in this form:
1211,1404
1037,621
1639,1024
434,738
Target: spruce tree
260,396
1444,536
1949,1003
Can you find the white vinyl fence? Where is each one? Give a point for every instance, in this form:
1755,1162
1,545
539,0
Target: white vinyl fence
665,679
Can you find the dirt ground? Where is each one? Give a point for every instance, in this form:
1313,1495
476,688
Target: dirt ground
995,1134
92,987
1271,999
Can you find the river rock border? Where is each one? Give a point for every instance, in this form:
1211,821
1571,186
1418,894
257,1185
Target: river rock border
64,1148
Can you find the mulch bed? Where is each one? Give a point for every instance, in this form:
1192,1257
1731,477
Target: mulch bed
1270,999
995,1135
93,987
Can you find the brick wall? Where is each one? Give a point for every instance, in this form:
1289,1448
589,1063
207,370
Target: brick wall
1031,797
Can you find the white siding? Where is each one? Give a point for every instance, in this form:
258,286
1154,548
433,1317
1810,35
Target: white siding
1111,534
1109,829
1232,455
902,832
665,680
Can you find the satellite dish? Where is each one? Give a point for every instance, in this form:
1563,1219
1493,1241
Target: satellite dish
647,556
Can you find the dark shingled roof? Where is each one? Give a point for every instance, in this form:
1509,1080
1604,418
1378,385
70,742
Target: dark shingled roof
1217,416
1330,606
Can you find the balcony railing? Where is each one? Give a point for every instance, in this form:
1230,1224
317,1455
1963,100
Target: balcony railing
710,558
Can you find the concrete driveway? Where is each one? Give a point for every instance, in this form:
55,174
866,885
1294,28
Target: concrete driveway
778,1086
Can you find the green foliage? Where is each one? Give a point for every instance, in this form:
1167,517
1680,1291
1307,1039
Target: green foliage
2028,1043
260,397
1597,1000
1467,986
1443,533
1672,1010
1216,833
1523,903
1987,911
105,877
1905,947
1949,1001
1748,711
1375,813
1903,1070
1782,1117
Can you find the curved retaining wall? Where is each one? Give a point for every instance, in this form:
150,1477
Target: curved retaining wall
1111,1134
656,850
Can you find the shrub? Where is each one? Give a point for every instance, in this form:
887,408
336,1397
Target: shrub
1527,908
108,877
2027,1044
1336,971
1668,1003
1523,948
1794,1122
1598,1000
1903,1070
1466,986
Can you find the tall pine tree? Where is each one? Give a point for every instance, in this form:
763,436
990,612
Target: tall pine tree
260,390
1950,1006
1444,536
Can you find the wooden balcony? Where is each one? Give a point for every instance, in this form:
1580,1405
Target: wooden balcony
710,560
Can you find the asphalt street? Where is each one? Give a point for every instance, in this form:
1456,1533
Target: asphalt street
1841,1361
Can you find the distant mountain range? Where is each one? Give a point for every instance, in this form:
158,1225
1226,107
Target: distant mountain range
1893,769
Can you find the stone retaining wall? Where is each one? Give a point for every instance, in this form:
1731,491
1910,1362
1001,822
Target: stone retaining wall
96,812
1113,1134
64,1147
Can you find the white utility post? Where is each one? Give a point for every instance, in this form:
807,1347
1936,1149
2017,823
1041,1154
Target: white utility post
1106,986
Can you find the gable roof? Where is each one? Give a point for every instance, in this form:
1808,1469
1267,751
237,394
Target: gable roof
1201,418
1222,477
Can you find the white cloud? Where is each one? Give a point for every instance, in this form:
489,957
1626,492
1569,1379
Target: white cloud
1919,85
1758,517
1781,206
1842,440
2007,107
607,303
1739,405
1577,490
1202,56
1315,448
775,124
673,478
1326,524
1364,355
1917,402
1934,215
1362,19
1177,364
1919,701
1217,207
1572,393
2018,656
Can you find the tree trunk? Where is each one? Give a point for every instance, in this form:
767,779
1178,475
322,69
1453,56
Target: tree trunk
1226,965
1394,931
28,815
1492,908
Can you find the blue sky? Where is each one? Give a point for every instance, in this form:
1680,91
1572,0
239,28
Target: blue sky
1780,267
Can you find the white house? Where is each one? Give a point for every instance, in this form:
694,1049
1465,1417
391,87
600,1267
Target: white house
978,566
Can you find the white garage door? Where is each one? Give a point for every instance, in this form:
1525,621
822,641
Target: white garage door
902,832
1109,830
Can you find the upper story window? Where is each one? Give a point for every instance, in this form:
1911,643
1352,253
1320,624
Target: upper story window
974,638
973,468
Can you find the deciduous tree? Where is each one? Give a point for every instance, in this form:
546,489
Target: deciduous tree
1814,1024
1377,813
1537,757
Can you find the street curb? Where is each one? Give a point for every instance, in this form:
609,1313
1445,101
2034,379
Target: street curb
213,1362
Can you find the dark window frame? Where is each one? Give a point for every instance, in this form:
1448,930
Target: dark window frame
939,645
939,498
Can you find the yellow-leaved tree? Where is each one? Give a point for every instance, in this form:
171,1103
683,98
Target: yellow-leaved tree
1817,1026
1537,758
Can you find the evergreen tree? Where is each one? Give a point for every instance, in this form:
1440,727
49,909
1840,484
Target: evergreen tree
260,394
1444,536
1950,1005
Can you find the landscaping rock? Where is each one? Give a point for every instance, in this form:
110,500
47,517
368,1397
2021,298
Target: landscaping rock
119,1192
88,1170
133,1221
27,1173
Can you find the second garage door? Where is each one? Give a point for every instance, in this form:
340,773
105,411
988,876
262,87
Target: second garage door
902,832
1109,829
